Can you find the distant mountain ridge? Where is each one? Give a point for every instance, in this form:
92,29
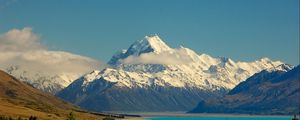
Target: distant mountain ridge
151,76
44,81
49,71
272,91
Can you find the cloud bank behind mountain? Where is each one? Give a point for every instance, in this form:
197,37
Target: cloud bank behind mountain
22,47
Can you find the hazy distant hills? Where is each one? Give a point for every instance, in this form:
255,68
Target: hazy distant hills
18,99
272,91
151,76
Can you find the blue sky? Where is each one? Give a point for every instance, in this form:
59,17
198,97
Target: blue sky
243,30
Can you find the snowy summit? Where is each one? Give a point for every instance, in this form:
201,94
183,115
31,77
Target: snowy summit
150,68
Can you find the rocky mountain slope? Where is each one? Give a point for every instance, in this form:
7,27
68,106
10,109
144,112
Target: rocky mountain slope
18,99
272,91
151,76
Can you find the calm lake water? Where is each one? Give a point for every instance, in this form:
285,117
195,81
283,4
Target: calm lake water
185,116
203,116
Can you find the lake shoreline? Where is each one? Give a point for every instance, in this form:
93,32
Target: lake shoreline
150,115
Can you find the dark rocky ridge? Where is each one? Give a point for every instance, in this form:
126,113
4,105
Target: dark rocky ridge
267,92
105,96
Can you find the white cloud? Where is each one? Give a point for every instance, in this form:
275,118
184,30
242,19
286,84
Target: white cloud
20,40
22,47
173,57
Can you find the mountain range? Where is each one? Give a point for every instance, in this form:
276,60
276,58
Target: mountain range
24,56
271,91
49,71
18,99
151,76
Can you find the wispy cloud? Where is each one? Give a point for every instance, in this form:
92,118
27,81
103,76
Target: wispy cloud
20,40
22,47
175,56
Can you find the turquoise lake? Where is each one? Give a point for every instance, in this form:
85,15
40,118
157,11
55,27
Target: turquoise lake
205,116
220,118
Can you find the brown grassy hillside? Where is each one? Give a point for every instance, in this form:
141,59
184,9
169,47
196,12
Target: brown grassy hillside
18,99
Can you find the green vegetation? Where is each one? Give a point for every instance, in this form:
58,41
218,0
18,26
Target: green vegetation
19,118
71,116
108,118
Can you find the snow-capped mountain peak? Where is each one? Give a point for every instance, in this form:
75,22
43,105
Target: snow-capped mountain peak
91,76
191,69
48,82
282,67
148,44
150,70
